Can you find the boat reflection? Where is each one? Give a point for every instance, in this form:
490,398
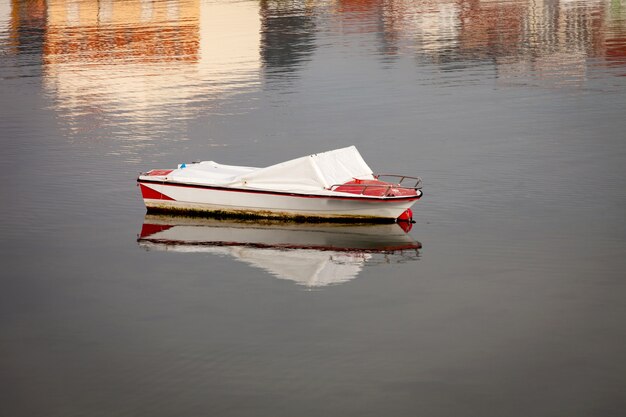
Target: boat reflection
312,255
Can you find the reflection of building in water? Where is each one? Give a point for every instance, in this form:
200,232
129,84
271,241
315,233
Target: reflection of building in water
425,26
556,40
26,26
136,60
287,34
434,27
370,16
22,34
140,60
549,41
613,47
361,16
104,31
438,26
488,29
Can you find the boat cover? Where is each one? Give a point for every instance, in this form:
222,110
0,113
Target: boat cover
309,173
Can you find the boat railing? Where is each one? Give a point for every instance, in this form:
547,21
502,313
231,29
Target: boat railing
387,189
417,185
364,187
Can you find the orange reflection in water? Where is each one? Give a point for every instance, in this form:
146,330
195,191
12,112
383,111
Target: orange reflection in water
128,30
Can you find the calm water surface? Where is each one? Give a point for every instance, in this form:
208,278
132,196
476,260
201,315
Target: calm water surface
509,300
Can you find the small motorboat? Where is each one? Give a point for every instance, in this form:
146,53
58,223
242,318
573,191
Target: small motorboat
335,185
310,254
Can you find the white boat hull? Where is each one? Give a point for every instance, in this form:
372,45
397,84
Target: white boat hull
163,196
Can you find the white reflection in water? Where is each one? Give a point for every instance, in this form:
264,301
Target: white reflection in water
313,255
5,18
309,268
147,10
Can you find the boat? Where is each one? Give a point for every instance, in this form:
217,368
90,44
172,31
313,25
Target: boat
309,254
335,185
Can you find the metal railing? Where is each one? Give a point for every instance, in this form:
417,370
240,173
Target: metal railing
416,186
388,187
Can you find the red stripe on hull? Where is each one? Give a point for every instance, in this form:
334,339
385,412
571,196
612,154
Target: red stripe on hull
147,192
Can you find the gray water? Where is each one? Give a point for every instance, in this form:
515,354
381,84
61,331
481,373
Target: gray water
512,304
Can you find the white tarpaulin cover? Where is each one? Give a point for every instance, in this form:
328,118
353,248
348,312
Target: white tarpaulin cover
314,172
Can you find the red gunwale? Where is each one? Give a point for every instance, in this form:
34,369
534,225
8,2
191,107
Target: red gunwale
211,187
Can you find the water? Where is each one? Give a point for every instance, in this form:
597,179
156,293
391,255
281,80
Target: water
510,301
